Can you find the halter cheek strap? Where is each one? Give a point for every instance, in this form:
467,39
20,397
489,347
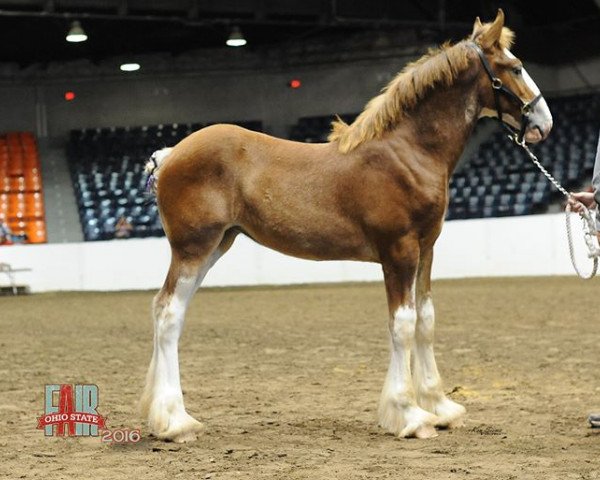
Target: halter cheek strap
499,88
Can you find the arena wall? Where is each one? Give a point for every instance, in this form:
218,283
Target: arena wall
39,106
513,246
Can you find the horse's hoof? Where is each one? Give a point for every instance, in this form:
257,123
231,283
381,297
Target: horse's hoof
183,431
426,431
182,437
450,414
422,431
421,425
457,423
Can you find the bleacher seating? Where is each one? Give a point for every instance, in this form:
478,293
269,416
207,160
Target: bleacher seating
21,194
107,166
500,179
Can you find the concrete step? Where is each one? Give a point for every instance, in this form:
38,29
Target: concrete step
62,218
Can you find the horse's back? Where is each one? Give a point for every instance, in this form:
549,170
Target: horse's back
226,175
242,153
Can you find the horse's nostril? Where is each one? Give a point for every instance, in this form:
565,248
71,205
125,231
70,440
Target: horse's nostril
544,130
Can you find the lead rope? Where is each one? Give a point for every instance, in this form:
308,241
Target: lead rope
589,226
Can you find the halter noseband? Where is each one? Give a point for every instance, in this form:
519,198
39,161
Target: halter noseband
498,88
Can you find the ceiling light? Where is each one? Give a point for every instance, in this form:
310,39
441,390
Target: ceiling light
76,33
130,67
236,38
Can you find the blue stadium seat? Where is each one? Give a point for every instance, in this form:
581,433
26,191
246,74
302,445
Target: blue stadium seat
517,186
107,166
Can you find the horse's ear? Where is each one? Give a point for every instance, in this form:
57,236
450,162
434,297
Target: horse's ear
492,35
477,25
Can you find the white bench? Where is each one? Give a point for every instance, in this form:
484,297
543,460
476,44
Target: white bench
10,273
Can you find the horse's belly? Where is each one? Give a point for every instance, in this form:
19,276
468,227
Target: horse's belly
312,240
296,208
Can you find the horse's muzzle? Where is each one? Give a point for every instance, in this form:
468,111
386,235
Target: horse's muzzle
539,123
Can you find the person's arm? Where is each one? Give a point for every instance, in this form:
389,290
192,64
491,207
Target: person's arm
596,176
589,199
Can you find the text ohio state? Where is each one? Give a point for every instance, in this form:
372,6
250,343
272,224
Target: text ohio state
71,417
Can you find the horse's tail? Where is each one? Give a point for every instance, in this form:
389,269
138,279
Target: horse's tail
152,167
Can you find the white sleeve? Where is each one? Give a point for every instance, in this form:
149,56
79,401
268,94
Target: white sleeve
596,176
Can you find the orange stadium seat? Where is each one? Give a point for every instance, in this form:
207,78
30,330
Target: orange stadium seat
36,231
17,184
3,206
15,199
33,181
34,205
17,227
16,205
31,161
15,165
21,198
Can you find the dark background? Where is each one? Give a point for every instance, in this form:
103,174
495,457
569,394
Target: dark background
33,31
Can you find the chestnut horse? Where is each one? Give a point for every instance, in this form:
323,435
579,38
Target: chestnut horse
377,192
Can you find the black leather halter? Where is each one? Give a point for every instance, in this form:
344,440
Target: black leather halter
498,88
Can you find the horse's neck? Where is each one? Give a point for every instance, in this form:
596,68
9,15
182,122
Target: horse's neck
444,121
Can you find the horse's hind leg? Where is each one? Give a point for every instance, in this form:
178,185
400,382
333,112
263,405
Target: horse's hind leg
162,400
428,384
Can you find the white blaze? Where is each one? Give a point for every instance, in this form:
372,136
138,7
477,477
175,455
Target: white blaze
528,80
539,117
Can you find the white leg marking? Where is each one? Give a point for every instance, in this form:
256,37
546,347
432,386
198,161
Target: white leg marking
398,411
162,401
167,417
428,384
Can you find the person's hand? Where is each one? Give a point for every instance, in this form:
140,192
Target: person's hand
577,199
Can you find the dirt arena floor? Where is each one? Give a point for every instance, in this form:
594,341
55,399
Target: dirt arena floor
287,381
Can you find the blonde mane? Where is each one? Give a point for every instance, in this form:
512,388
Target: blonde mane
439,66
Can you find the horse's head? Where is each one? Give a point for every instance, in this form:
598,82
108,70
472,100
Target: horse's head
507,91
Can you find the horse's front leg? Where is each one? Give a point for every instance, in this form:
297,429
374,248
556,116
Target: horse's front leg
428,384
398,409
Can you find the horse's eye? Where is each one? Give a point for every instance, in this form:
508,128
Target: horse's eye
517,70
